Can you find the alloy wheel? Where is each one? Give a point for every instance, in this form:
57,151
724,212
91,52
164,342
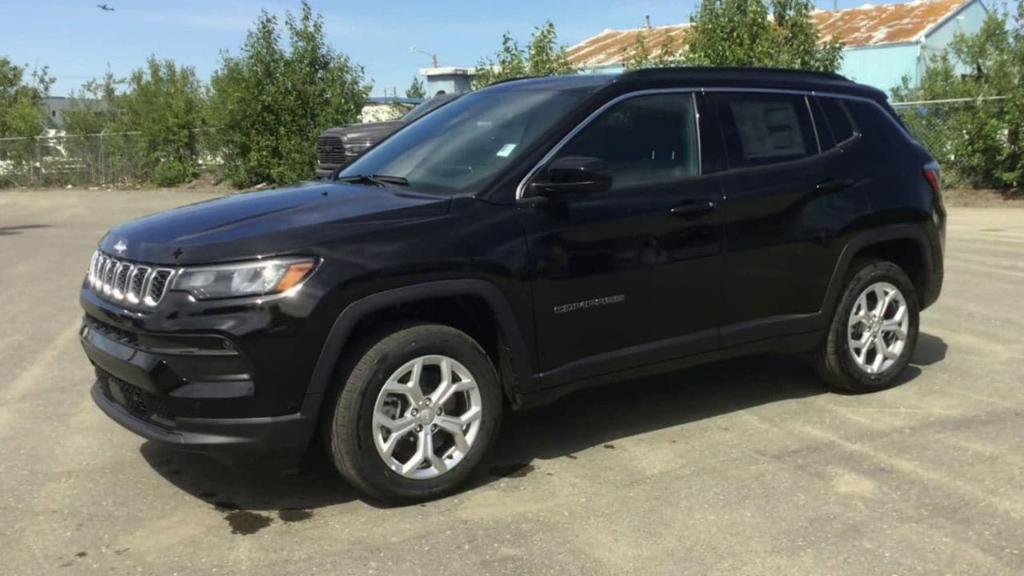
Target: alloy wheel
877,328
427,417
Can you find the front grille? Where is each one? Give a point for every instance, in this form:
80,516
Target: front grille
136,401
124,281
331,150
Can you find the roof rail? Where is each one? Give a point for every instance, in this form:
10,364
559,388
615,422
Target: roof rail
788,72
516,79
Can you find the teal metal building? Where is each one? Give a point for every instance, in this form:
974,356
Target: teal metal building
883,43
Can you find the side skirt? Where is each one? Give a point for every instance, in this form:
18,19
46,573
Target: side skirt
791,344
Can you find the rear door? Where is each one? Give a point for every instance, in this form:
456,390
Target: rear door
777,258
631,275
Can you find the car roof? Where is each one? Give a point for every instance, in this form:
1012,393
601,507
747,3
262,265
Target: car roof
698,77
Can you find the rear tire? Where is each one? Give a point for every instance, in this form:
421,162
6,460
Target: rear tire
873,331
415,414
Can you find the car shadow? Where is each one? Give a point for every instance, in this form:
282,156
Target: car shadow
600,416
12,230
586,419
930,350
235,483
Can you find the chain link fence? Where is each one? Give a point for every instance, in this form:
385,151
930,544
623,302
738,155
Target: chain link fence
966,135
109,160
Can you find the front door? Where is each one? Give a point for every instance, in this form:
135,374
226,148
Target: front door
630,275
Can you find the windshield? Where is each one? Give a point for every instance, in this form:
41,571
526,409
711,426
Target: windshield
460,147
426,106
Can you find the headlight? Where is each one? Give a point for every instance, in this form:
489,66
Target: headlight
246,279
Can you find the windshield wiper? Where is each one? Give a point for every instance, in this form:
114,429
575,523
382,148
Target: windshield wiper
374,179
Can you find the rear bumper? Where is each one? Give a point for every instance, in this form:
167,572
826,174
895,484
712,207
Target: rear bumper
933,290
287,434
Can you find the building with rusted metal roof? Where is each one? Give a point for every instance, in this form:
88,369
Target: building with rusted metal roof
883,43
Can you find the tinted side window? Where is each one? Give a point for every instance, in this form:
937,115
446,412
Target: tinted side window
764,129
645,140
838,119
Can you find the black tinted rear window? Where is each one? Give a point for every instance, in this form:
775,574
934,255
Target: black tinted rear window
838,119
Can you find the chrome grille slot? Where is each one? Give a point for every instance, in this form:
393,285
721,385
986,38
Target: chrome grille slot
121,274
101,266
157,286
92,268
108,275
136,283
120,280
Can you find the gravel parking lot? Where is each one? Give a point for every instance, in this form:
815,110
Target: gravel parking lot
745,467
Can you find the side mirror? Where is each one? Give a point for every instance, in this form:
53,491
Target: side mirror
579,174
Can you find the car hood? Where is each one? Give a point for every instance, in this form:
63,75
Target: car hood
254,224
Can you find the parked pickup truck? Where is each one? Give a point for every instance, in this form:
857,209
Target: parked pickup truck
337,147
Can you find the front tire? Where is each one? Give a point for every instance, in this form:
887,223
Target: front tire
415,414
873,331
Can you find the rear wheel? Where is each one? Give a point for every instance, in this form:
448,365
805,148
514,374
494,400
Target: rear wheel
415,415
873,331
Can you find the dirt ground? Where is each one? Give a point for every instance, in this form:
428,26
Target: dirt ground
972,198
744,467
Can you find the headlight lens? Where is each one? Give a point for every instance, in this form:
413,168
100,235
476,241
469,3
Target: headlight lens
257,278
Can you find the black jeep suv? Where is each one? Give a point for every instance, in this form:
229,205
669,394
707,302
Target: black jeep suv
524,241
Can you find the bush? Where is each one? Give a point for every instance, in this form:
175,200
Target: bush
977,140
164,103
153,126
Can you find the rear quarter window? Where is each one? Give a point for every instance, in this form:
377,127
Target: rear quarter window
838,118
873,121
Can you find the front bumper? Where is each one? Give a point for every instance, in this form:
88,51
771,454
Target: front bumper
275,434
218,376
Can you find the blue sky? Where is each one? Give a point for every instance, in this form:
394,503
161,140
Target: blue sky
78,41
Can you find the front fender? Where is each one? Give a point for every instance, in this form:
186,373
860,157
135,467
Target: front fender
341,331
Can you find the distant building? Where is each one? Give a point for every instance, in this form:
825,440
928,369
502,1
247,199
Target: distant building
883,43
448,80
54,107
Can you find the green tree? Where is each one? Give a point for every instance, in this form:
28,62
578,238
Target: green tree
21,99
740,33
978,141
271,102
93,109
416,89
544,56
21,114
669,53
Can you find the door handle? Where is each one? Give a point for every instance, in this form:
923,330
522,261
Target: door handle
832,185
694,208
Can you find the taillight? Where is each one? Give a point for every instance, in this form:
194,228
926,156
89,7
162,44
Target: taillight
931,174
